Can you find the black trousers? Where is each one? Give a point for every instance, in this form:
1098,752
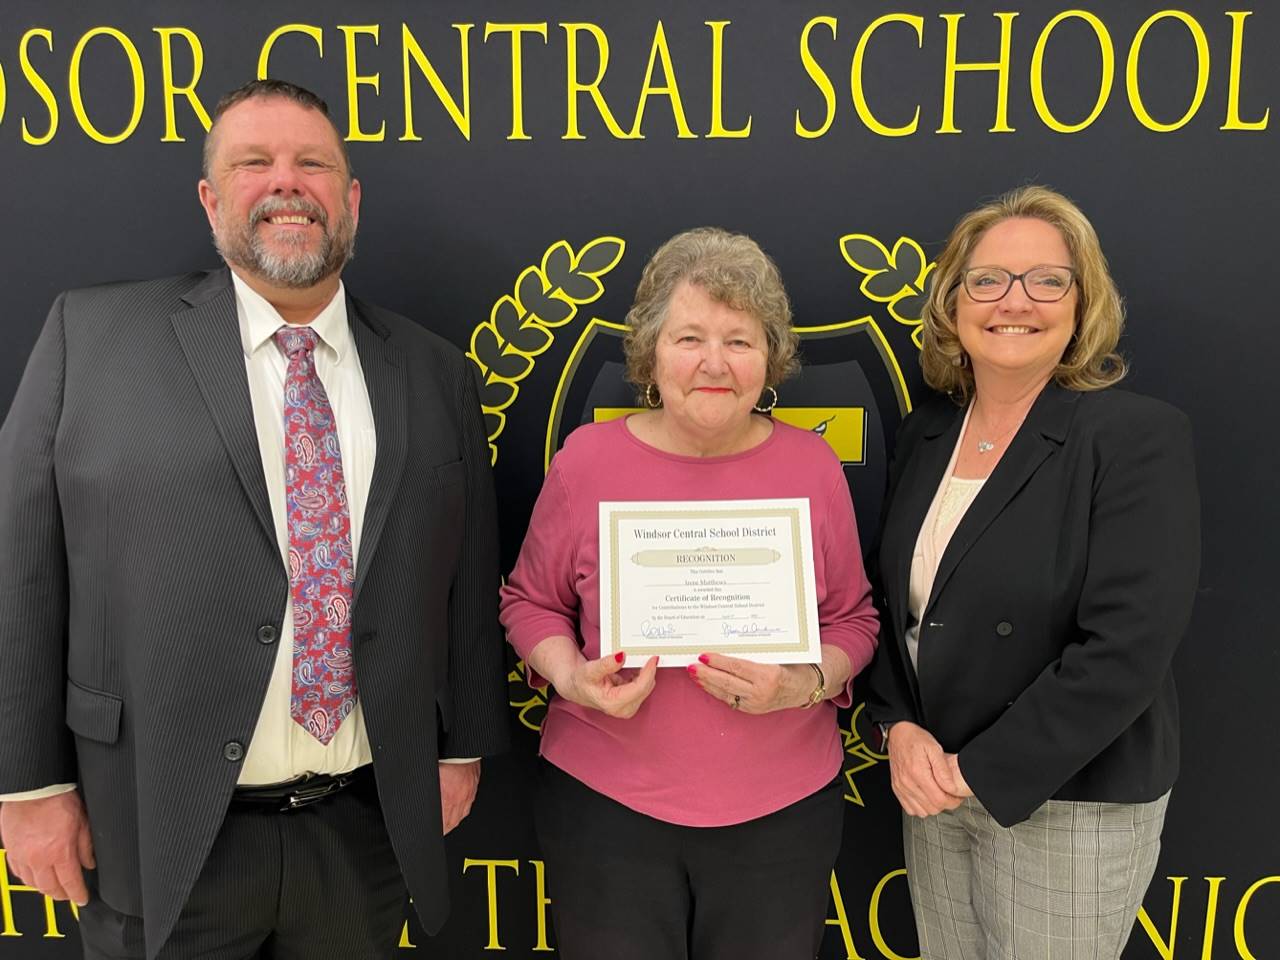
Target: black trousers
318,883
629,887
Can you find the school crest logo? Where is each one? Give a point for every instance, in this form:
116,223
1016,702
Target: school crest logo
549,364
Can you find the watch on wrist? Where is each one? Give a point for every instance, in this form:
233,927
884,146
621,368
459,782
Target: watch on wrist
884,734
819,692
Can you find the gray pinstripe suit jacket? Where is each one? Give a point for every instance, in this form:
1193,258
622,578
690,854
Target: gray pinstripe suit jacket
138,566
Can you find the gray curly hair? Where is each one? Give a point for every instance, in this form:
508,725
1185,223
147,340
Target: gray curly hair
731,269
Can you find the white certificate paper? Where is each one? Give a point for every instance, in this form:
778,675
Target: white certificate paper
680,578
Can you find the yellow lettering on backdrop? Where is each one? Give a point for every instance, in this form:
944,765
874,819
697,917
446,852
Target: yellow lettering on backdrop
855,75
1233,88
841,920
1210,918
8,889
669,89
171,90
38,85
491,883
1164,947
1105,47
540,903
2,97
517,31
1202,70
873,917
1241,946
356,80
575,87
1001,67
139,88
461,118
819,78
264,56
718,129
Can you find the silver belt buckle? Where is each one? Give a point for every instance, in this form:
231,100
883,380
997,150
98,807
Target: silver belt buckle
307,795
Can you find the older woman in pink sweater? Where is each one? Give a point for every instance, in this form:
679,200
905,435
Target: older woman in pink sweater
690,813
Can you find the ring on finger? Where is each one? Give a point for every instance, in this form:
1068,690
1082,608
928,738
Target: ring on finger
737,702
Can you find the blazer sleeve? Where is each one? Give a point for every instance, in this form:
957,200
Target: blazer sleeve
36,749
1134,608
479,725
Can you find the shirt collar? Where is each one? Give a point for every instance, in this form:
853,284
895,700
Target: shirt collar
259,320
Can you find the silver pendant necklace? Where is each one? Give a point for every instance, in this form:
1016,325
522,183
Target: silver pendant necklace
986,446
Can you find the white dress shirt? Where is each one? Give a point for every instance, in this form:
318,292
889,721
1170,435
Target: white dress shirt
281,749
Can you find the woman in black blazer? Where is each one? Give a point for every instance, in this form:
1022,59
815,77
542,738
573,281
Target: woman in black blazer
1037,566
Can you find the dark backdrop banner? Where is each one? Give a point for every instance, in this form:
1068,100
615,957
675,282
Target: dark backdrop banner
520,160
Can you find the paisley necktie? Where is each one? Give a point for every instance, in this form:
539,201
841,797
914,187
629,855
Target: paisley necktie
321,571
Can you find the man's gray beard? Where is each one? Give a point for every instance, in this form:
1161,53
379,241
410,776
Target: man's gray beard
242,245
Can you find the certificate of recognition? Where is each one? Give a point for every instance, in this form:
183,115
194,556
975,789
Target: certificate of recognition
680,578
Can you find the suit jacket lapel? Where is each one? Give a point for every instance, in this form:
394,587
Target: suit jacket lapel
1040,435
384,377
209,333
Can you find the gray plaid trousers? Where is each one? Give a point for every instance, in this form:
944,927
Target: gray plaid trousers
1065,884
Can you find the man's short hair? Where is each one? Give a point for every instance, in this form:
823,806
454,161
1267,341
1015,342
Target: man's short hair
269,88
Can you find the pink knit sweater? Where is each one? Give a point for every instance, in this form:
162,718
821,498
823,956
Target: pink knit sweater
685,757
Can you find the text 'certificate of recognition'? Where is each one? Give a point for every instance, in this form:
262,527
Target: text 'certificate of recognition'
680,578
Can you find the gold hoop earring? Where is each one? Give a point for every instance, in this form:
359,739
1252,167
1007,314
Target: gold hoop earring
652,402
961,360
772,403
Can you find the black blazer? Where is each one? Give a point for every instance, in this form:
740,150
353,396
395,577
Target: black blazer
1045,646
142,588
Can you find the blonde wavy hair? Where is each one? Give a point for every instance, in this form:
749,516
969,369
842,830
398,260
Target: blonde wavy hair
731,269
1090,361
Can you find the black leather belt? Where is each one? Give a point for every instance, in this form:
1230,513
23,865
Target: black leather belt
304,791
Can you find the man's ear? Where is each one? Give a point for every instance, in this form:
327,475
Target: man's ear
353,201
209,200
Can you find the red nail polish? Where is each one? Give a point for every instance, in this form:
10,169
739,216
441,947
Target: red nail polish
693,671
703,658
620,656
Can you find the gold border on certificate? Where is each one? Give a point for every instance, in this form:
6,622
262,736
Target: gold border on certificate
792,515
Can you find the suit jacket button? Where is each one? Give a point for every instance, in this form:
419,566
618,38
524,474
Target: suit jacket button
1004,628
233,750
267,634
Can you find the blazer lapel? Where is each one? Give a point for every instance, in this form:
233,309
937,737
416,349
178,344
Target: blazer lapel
209,333
914,491
384,377
917,487
1040,435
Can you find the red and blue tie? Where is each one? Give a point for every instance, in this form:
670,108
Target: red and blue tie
321,571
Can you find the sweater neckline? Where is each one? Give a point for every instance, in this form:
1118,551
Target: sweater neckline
760,447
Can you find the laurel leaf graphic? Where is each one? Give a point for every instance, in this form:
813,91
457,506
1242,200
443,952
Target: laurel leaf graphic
532,293
882,286
516,333
510,366
530,701
497,395
900,279
865,254
909,260
521,325
599,256
484,345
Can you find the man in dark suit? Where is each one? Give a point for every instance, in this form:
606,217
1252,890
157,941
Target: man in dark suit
247,584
